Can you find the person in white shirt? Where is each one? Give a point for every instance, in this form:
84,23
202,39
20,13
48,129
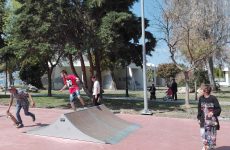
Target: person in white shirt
96,91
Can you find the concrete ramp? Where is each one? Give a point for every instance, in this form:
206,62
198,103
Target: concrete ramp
94,124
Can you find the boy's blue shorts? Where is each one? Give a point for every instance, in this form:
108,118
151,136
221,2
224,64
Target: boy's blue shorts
73,96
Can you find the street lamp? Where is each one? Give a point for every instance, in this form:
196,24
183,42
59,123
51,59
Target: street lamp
146,110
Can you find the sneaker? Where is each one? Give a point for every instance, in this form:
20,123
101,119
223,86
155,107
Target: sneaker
19,125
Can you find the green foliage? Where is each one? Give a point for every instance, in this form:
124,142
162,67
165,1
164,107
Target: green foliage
109,30
104,6
41,31
167,71
36,30
8,59
201,76
2,12
120,33
218,73
116,33
95,3
32,73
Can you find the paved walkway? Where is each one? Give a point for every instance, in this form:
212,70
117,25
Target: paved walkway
156,133
179,101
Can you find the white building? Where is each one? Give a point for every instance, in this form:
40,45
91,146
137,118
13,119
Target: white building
134,76
226,80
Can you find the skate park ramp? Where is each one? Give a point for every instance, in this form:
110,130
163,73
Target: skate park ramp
94,124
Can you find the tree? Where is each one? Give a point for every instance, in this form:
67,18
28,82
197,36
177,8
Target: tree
193,30
6,55
105,35
37,35
167,71
215,29
201,76
119,32
43,31
2,4
32,73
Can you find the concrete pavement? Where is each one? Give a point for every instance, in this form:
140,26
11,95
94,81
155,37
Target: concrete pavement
156,133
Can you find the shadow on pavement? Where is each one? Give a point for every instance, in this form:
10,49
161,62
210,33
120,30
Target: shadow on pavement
37,125
223,148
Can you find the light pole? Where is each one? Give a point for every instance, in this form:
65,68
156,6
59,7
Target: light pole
126,82
146,110
155,75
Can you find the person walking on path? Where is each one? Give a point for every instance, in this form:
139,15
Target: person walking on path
174,89
21,102
152,91
208,107
70,81
96,91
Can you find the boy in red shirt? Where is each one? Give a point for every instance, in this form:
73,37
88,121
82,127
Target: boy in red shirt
71,82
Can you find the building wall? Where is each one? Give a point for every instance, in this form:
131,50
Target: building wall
226,81
57,82
134,76
107,80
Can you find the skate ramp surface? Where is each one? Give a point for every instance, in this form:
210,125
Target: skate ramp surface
94,124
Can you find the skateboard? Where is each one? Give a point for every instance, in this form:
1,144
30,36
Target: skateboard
210,129
9,115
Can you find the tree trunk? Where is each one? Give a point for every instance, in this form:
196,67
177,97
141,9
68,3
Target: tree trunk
6,83
11,79
83,69
91,70
195,85
72,66
210,73
49,74
187,89
98,67
75,73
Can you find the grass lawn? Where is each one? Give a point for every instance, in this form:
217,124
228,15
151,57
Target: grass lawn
120,105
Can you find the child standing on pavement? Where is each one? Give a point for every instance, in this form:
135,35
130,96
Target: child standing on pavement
96,91
208,106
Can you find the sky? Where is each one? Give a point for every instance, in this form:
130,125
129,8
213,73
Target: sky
161,53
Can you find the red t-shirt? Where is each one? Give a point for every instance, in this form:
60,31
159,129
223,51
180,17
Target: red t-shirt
71,82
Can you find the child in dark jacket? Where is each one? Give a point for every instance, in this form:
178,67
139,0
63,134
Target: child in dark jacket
208,107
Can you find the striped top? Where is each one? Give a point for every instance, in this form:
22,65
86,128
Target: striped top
20,95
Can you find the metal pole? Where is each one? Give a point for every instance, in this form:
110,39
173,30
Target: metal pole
126,82
155,75
146,110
